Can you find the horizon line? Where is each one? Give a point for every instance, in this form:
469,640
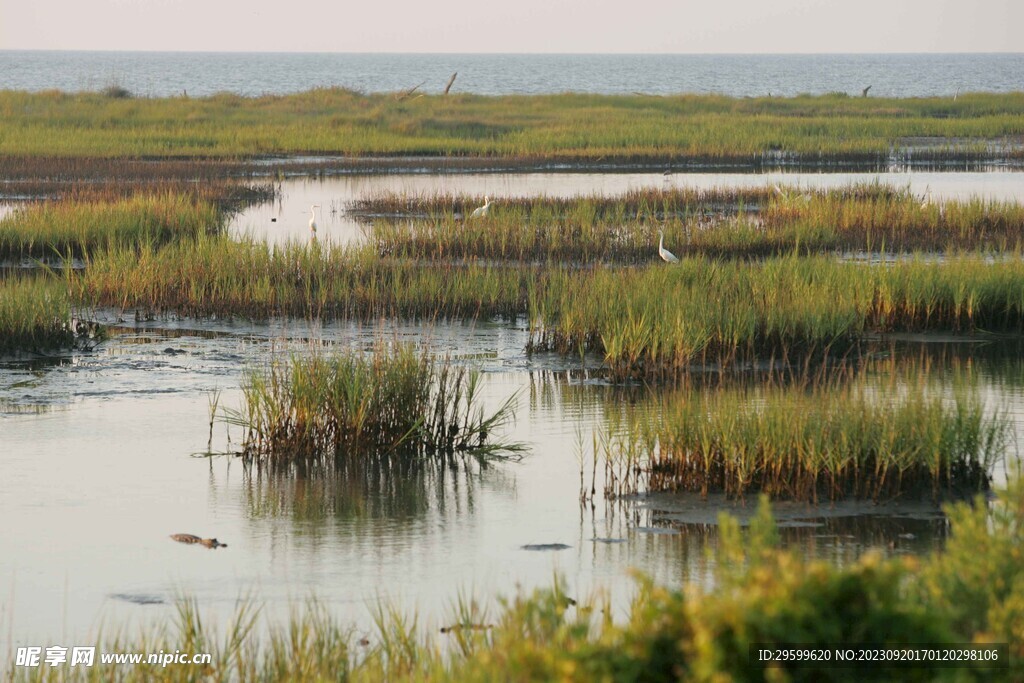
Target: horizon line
515,54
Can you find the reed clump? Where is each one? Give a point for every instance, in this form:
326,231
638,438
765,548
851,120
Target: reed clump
78,228
821,440
399,400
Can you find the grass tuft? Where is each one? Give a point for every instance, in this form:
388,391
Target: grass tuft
396,401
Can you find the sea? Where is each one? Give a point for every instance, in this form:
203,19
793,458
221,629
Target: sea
161,74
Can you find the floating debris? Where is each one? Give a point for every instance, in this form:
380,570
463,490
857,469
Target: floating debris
191,539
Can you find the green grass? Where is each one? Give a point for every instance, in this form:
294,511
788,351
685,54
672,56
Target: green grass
566,127
817,439
346,404
76,228
35,315
971,591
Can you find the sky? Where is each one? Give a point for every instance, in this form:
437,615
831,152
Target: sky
516,26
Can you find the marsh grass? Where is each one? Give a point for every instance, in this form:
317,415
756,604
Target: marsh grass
654,322
218,276
901,222
826,438
35,315
567,127
665,321
643,203
78,228
717,222
398,400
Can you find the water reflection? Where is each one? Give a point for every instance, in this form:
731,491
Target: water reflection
318,497
288,217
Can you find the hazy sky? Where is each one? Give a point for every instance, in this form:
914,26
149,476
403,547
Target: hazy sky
673,26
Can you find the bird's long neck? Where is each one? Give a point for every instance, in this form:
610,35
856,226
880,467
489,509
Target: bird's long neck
661,241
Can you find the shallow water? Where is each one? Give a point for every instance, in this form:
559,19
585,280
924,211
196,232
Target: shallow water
99,459
288,218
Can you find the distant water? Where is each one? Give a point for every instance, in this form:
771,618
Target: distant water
172,73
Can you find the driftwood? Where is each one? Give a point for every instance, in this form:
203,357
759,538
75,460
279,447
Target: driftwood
450,81
405,94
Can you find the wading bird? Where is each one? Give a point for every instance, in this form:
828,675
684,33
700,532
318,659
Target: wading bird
483,210
312,219
664,253
927,197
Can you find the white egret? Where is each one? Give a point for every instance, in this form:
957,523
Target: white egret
312,219
483,210
664,253
927,197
